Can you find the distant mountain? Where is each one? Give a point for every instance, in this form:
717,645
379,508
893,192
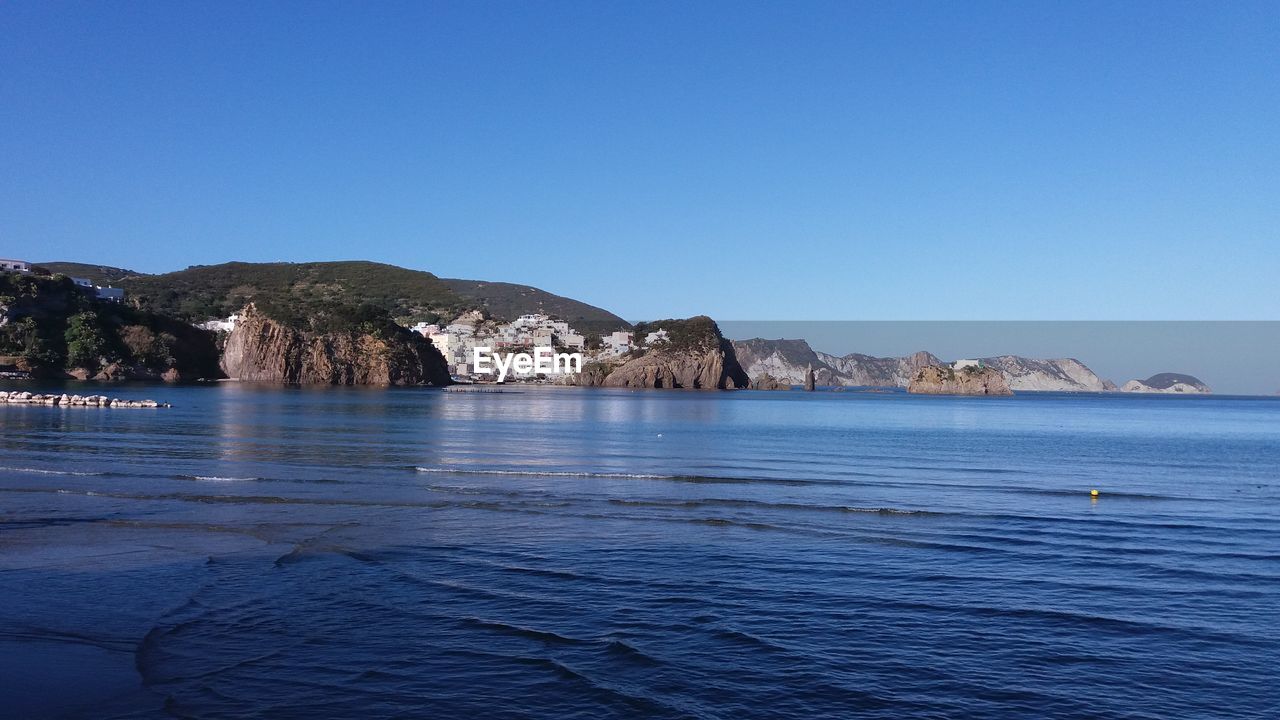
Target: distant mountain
787,360
867,370
98,274
783,360
509,301
1065,374
1168,383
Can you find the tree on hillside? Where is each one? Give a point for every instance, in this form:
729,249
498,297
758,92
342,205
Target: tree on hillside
85,341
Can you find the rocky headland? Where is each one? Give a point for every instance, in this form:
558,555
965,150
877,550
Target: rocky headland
263,349
972,380
695,356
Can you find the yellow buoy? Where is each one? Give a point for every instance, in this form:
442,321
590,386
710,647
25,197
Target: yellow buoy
1094,493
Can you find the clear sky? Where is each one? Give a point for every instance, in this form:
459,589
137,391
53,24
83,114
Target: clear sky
748,160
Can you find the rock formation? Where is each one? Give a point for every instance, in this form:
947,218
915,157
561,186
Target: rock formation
1167,383
809,381
765,381
788,360
1065,374
261,349
695,357
869,371
938,380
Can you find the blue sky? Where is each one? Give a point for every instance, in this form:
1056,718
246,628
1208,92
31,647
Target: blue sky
746,160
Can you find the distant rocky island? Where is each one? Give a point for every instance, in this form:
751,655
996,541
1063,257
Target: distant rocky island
968,380
1168,383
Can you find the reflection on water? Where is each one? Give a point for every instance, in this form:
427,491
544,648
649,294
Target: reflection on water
291,552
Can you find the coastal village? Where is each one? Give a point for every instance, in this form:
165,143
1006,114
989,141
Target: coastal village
457,341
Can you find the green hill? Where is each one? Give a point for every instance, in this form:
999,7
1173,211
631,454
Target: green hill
98,274
509,301
50,327
338,294
286,290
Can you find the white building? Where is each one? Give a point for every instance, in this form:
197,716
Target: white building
21,266
109,293
657,336
221,325
443,343
426,329
617,342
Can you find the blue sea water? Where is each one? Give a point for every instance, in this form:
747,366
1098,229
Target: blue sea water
570,553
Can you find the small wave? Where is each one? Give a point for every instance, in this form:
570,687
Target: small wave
747,639
42,471
715,502
630,653
548,473
545,636
704,479
218,478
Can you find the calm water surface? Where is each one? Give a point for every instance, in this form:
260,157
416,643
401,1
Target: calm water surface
561,553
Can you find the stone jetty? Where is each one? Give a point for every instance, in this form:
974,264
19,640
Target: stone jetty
27,398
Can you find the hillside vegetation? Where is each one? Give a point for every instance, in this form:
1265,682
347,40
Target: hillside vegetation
509,301
695,333
97,274
48,327
325,296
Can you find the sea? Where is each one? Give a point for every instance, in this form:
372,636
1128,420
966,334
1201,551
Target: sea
551,553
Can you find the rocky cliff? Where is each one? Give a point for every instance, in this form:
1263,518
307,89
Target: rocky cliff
937,380
768,382
1168,383
787,360
869,371
783,360
694,357
1066,374
261,349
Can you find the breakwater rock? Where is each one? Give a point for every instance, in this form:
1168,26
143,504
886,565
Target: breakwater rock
65,400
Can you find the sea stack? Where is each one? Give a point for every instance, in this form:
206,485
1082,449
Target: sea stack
809,383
